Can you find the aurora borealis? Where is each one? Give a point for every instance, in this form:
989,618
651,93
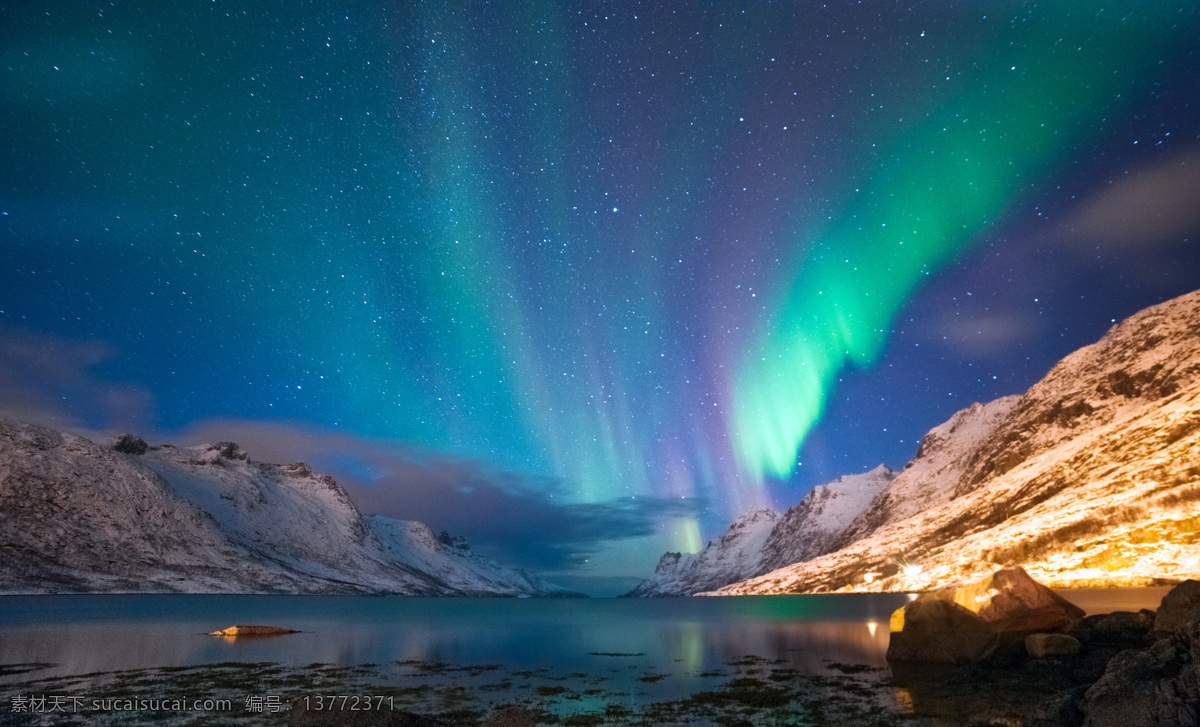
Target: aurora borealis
621,267
940,183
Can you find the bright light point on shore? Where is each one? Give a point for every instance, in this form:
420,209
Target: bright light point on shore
912,571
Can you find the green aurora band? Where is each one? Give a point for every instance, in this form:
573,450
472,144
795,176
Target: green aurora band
942,185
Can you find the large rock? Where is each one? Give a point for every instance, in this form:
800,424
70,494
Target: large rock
940,631
965,623
1179,607
131,444
1009,601
1157,686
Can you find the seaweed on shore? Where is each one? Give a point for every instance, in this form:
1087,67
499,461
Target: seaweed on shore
16,669
444,694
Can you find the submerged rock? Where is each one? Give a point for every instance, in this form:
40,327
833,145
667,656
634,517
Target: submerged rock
964,624
251,631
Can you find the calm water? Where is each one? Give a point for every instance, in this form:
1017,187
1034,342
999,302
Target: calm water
84,634
649,649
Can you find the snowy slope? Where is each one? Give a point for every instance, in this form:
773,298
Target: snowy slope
728,559
818,522
932,476
79,517
1090,478
762,540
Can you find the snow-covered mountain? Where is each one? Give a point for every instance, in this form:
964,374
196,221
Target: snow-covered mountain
735,555
818,523
763,540
1091,478
79,517
932,475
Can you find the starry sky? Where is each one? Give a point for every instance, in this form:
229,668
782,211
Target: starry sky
579,281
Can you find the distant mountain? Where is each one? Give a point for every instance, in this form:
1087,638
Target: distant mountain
761,540
734,556
79,517
1091,478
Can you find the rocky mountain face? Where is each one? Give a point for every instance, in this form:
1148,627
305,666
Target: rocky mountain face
763,540
79,517
1091,478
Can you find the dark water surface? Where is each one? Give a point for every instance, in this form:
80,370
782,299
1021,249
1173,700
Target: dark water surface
633,651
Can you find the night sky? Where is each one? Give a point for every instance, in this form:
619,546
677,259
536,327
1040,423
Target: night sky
579,281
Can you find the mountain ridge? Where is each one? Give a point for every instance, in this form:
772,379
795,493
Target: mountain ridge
1088,479
76,516
762,539
735,555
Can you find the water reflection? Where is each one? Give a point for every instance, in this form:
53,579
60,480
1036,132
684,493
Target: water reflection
683,637
83,634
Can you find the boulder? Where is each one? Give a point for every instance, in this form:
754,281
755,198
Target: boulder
1010,601
1123,624
1157,686
1117,630
1051,646
939,631
131,444
1146,688
1179,606
973,618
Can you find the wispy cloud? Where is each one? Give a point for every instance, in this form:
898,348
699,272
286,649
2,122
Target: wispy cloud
52,380
1152,207
984,334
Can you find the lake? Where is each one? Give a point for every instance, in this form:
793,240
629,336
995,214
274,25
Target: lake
442,655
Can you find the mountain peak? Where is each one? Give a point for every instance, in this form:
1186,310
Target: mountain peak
816,524
754,516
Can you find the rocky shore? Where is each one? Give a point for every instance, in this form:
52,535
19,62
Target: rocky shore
1006,650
